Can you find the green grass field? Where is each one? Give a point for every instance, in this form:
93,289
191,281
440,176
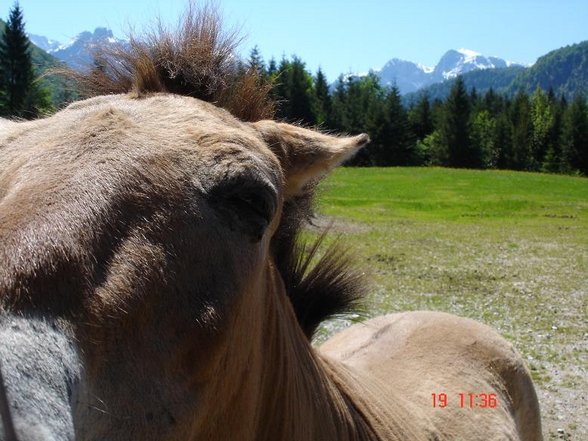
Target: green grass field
509,249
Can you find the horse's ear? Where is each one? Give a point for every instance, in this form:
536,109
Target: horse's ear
306,155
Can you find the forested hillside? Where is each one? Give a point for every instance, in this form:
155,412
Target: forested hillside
564,70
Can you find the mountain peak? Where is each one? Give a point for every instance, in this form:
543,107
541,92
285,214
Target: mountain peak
78,52
458,62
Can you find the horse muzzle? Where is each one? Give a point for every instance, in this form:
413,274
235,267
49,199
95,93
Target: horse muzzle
40,370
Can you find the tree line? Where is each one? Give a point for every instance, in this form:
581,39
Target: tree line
532,132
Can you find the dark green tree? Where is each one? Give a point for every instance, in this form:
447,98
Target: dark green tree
554,161
522,130
421,118
336,119
21,95
281,89
322,97
272,68
575,135
503,141
398,145
363,108
455,128
16,69
294,92
256,61
301,97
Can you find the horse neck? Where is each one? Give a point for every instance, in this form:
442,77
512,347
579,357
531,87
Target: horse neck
269,384
298,399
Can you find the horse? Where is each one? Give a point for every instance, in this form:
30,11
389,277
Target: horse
153,285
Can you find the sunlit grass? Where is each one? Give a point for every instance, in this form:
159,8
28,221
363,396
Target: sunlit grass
466,196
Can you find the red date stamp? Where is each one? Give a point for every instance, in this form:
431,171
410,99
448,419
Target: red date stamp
465,400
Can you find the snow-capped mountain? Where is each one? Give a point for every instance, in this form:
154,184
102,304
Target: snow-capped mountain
44,43
458,62
406,75
410,77
77,54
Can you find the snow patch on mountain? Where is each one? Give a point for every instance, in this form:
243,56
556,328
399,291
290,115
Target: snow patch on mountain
425,69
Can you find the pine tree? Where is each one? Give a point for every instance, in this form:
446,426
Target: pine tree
421,118
400,148
575,135
16,69
256,61
554,160
272,68
301,97
493,103
363,111
337,119
521,157
294,93
281,89
542,120
502,141
455,128
322,97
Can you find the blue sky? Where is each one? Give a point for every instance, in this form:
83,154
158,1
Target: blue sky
343,36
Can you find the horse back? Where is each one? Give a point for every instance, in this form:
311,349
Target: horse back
458,378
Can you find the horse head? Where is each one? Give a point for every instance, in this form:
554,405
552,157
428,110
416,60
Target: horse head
138,259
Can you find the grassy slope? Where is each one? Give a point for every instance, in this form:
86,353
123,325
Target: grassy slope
509,249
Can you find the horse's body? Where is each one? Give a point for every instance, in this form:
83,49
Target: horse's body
150,289
414,355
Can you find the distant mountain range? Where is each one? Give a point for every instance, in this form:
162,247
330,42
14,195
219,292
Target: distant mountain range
77,54
410,77
406,75
564,70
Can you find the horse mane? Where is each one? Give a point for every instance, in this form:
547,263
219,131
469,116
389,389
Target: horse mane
198,60
320,284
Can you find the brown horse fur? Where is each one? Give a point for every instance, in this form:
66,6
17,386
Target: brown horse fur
151,288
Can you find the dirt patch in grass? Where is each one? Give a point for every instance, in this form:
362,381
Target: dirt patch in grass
320,223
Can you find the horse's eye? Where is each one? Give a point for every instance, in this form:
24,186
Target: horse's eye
248,208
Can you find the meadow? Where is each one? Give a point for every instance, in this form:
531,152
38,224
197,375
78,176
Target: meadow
509,249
